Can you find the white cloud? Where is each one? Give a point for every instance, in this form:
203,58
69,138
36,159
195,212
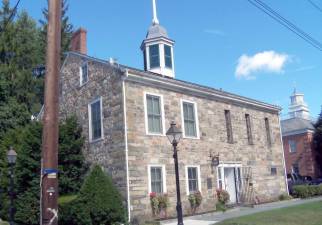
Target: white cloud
269,61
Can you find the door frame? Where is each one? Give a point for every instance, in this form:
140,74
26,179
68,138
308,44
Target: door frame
237,176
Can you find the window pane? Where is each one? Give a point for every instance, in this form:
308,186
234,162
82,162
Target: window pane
189,119
84,73
167,56
292,144
154,114
192,179
154,56
156,180
149,104
96,120
156,106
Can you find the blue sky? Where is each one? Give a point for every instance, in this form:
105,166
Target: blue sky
213,39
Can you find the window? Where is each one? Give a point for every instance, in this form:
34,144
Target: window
84,73
193,179
249,129
292,144
268,132
95,120
154,56
230,138
273,171
167,56
189,119
157,179
154,114
296,168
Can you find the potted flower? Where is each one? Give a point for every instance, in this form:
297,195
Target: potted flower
159,204
195,200
223,198
154,203
163,205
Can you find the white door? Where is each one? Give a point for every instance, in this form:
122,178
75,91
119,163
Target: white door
230,183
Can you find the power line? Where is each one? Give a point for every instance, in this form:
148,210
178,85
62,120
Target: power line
13,13
289,23
315,5
286,23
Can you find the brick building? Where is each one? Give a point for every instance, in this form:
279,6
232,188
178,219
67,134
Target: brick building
297,132
125,113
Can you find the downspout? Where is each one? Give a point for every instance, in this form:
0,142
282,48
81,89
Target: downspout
126,148
285,173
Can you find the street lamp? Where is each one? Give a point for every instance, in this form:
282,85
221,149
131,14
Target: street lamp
12,157
174,135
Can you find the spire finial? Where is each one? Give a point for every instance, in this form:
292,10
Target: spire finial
155,16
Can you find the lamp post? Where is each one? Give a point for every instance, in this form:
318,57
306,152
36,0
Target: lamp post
174,135
11,156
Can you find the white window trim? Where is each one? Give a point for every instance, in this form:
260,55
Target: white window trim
164,181
146,115
196,119
81,74
187,178
90,120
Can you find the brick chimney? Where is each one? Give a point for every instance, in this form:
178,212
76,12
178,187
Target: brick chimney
79,41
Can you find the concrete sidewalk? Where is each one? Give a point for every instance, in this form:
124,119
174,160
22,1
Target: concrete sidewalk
211,218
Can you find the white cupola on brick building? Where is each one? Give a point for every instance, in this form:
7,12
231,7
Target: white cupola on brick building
298,107
157,48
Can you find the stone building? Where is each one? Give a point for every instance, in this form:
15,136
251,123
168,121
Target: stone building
297,132
125,113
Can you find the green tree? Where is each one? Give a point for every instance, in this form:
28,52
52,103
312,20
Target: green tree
317,140
66,29
19,53
98,202
27,142
72,166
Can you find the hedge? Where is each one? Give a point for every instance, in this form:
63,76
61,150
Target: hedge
306,191
98,203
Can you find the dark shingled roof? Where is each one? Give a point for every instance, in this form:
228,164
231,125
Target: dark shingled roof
156,31
296,126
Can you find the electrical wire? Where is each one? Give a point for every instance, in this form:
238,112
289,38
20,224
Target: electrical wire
315,5
286,23
289,23
13,13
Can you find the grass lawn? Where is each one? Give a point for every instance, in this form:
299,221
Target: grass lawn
4,223
306,214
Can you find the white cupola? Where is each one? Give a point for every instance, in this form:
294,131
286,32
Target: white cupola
298,107
157,48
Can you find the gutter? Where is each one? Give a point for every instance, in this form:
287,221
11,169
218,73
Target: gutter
126,148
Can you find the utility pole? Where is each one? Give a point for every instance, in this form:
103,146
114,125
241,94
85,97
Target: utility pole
49,172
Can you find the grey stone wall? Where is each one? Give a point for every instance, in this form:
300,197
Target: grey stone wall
104,81
143,150
146,149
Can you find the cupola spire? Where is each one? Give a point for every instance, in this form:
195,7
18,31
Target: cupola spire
157,48
155,15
